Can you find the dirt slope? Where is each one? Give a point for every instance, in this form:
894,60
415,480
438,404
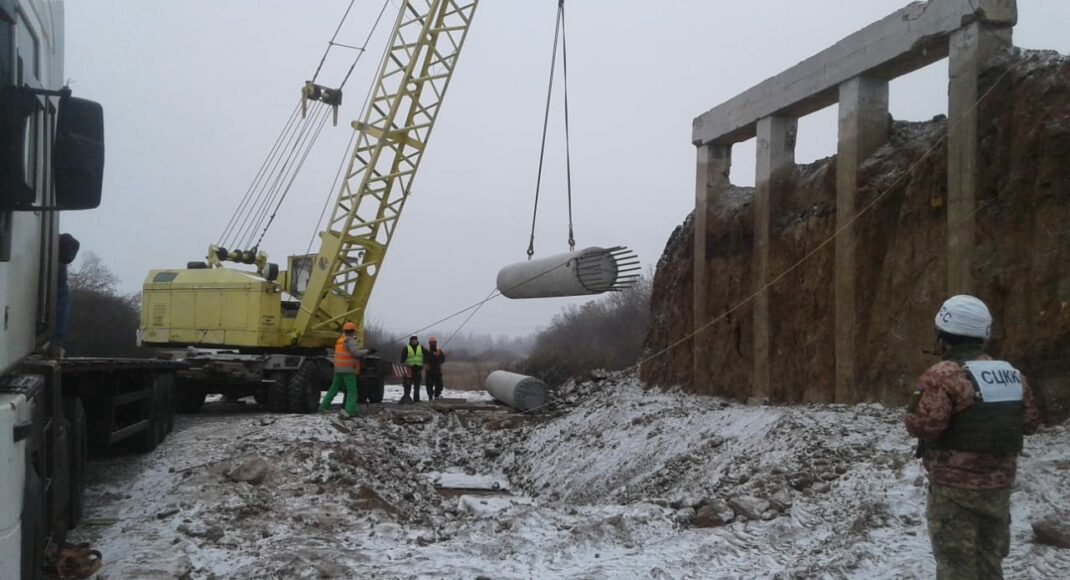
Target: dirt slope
615,483
1023,249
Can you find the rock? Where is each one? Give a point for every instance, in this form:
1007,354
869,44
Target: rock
757,401
714,514
821,487
684,515
166,513
1053,530
684,501
368,500
210,532
749,507
781,499
800,481
253,470
919,481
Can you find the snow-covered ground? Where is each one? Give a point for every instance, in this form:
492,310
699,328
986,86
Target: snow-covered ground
606,485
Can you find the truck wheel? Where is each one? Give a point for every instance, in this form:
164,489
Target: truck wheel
168,381
374,391
33,526
277,401
149,438
79,460
304,389
190,399
159,404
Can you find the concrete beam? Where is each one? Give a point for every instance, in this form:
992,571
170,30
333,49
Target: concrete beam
711,180
776,159
971,49
907,40
863,128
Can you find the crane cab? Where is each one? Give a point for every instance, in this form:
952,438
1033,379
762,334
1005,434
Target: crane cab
225,307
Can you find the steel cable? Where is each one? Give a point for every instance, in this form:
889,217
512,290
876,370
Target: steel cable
293,176
330,42
545,129
235,217
568,147
300,148
241,234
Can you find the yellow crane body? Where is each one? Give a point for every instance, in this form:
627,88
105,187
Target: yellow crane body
306,305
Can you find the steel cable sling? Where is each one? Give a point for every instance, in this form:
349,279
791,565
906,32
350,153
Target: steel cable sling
559,34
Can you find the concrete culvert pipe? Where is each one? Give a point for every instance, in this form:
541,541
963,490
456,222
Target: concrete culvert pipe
520,392
582,273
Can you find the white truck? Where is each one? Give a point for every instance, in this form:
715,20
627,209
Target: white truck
53,413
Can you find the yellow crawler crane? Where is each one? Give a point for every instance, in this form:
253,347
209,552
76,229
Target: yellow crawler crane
264,333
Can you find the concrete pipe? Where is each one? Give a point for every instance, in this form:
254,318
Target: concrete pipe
520,392
582,273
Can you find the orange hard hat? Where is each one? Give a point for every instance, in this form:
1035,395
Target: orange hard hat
349,326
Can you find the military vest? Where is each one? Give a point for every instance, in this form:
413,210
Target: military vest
995,423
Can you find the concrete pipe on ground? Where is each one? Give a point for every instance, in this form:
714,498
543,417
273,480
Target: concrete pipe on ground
586,272
520,392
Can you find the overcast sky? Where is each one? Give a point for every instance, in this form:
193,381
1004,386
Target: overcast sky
195,92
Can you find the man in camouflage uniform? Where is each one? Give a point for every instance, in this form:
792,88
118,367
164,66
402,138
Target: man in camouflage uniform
970,414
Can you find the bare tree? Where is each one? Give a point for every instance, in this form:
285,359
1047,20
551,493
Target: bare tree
606,333
103,322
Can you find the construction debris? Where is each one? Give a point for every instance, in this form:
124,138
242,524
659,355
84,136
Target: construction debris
616,481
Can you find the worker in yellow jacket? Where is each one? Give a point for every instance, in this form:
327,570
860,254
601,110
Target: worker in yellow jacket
412,356
347,357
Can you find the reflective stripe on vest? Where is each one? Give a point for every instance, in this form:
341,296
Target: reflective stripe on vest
342,358
416,356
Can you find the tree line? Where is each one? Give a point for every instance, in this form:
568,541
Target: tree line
604,333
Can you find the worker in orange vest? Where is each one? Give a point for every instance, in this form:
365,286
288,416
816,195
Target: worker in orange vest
346,368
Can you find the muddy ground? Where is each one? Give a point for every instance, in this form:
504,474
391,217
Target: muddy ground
612,482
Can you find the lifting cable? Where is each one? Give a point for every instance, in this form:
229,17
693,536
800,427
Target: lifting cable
259,175
346,155
263,198
279,164
330,42
559,34
293,176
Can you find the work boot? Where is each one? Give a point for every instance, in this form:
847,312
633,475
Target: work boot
405,400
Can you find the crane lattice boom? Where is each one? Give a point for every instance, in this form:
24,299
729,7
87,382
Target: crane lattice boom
390,142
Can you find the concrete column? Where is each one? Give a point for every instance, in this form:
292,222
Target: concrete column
711,180
971,49
776,159
863,128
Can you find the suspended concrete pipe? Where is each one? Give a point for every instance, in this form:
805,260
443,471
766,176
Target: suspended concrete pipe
520,392
582,273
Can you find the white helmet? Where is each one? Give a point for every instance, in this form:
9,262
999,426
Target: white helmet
964,315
